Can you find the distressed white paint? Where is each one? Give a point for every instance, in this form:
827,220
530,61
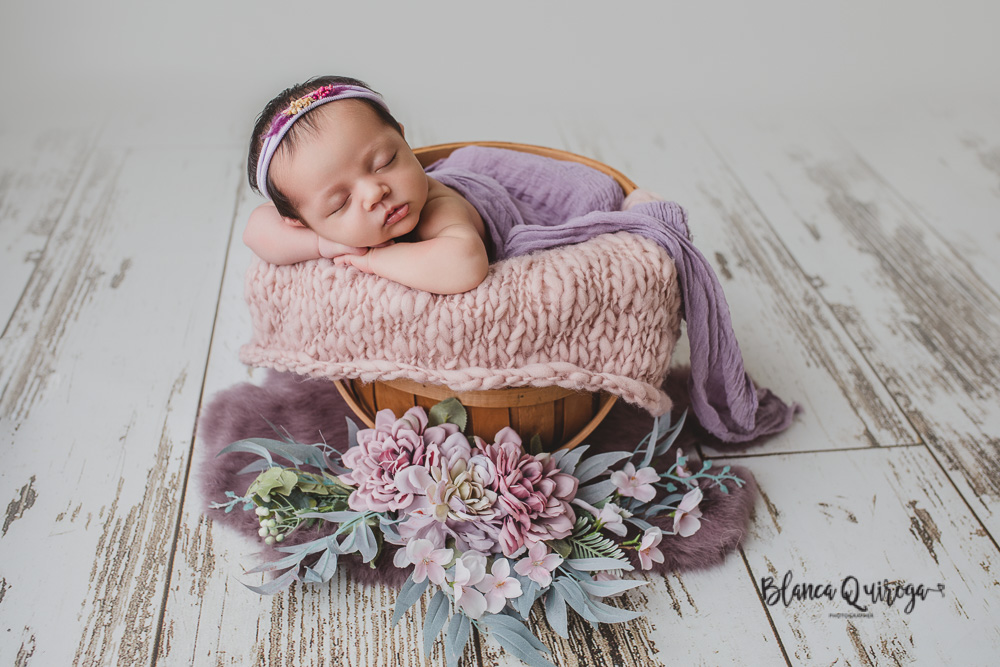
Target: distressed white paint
947,166
100,377
37,174
926,321
877,514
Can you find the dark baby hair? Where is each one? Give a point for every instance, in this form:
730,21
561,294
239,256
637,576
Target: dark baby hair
279,104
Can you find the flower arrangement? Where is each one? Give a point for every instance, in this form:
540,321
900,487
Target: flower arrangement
494,528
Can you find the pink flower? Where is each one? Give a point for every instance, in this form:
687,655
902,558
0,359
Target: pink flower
687,515
428,562
468,535
381,453
533,494
648,553
499,585
448,453
636,484
539,564
469,571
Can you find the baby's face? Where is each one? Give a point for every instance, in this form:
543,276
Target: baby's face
354,180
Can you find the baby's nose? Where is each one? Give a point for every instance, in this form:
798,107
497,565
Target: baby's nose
377,194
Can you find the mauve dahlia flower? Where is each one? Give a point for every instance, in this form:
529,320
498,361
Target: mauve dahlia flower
381,453
533,494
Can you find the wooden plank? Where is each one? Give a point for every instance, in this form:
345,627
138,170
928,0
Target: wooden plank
100,374
875,515
38,171
925,320
708,617
950,176
791,340
210,618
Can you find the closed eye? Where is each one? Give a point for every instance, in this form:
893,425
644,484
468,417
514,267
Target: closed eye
341,207
391,160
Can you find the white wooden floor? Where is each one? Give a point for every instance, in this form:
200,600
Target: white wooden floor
859,253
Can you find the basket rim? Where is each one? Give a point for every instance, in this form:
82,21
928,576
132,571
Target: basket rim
432,153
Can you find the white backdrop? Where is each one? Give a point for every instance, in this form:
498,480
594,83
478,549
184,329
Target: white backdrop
451,63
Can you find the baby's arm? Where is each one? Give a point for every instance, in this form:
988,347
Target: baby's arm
277,241
452,262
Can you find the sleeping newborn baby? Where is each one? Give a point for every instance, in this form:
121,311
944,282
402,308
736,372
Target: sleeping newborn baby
344,184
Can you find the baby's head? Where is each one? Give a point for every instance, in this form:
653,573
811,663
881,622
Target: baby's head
330,156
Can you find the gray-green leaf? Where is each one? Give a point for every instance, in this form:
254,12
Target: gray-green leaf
555,612
437,614
408,596
456,637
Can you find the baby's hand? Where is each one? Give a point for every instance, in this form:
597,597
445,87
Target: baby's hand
362,262
332,249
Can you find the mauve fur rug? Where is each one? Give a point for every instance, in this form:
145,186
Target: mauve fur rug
313,411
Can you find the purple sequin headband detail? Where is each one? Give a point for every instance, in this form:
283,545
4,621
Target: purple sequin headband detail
297,109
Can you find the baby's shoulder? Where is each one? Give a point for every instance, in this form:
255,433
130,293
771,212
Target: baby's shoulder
446,208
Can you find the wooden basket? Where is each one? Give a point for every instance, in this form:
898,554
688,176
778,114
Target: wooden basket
561,417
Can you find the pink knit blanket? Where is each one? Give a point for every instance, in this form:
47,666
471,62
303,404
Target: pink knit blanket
598,315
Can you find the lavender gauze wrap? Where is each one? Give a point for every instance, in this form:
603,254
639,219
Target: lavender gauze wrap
532,203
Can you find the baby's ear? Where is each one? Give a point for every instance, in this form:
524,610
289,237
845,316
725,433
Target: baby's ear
292,222
402,130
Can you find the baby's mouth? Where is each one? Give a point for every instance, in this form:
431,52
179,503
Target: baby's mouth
397,214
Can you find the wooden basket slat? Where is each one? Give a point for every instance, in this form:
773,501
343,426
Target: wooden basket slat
488,420
390,398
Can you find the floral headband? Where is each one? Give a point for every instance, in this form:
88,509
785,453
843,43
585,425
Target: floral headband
298,108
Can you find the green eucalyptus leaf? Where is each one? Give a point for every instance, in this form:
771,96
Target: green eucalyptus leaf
561,547
448,411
